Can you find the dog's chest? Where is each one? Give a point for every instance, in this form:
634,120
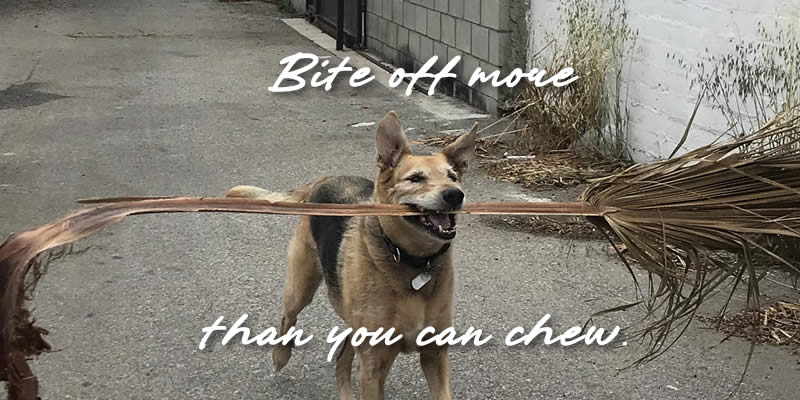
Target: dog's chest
410,325
415,313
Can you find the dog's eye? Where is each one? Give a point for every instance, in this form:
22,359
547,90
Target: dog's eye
416,178
452,176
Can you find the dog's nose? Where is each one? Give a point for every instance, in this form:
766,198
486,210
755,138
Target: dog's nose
453,197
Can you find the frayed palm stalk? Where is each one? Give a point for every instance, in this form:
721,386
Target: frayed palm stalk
673,217
676,218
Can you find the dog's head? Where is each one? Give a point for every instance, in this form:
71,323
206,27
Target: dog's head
430,183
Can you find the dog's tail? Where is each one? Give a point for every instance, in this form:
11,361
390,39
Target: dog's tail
297,195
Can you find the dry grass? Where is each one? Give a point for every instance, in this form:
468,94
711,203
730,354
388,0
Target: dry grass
753,80
777,324
484,147
569,228
556,169
591,113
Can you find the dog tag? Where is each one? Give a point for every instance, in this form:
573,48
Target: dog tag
420,280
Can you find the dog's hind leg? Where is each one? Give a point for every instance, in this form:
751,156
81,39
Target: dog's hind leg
344,372
302,280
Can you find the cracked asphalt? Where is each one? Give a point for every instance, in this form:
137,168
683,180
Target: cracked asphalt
147,97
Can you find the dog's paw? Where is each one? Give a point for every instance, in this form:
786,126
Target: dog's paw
280,356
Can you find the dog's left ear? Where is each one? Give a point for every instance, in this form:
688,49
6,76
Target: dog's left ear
461,151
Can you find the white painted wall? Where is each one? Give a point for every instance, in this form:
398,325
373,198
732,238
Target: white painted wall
660,100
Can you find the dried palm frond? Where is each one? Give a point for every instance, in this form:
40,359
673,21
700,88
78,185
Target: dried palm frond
21,256
676,216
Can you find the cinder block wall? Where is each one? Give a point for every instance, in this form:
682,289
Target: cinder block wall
408,32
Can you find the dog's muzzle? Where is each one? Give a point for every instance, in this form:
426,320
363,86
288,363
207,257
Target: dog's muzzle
435,221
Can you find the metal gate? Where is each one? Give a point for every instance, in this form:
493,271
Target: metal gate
324,13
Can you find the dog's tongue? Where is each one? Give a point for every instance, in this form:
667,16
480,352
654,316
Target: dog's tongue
442,220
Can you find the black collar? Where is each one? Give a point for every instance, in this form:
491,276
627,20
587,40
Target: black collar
399,255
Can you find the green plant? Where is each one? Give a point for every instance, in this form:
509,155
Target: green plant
592,112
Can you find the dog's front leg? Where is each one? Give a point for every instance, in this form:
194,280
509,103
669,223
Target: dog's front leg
436,366
374,364
344,372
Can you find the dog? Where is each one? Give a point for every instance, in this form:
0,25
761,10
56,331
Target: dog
380,272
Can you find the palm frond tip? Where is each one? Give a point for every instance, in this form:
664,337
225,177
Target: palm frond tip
677,217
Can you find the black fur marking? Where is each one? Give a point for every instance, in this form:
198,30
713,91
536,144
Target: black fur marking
328,231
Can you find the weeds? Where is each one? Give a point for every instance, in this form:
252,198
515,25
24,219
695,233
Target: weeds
591,114
754,80
754,83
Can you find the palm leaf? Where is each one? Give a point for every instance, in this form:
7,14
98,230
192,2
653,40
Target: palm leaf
677,219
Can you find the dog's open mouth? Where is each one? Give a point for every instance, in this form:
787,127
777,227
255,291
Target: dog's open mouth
439,225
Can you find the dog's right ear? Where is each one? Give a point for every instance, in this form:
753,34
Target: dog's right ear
390,141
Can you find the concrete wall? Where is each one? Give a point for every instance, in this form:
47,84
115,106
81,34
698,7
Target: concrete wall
408,32
660,100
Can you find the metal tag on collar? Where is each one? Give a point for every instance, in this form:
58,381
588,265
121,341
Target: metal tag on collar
420,280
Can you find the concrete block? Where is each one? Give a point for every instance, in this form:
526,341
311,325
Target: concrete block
372,25
462,91
370,6
448,29
440,5
413,44
440,51
402,38
499,47
390,54
387,8
451,53
377,6
494,14
408,14
480,42
456,8
472,11
484,102
382,29
434,24
470,65
425,49
487,88
391,33
397,11
420,19
374,44
463,35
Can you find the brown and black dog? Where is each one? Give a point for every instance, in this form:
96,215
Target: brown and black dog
381,272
